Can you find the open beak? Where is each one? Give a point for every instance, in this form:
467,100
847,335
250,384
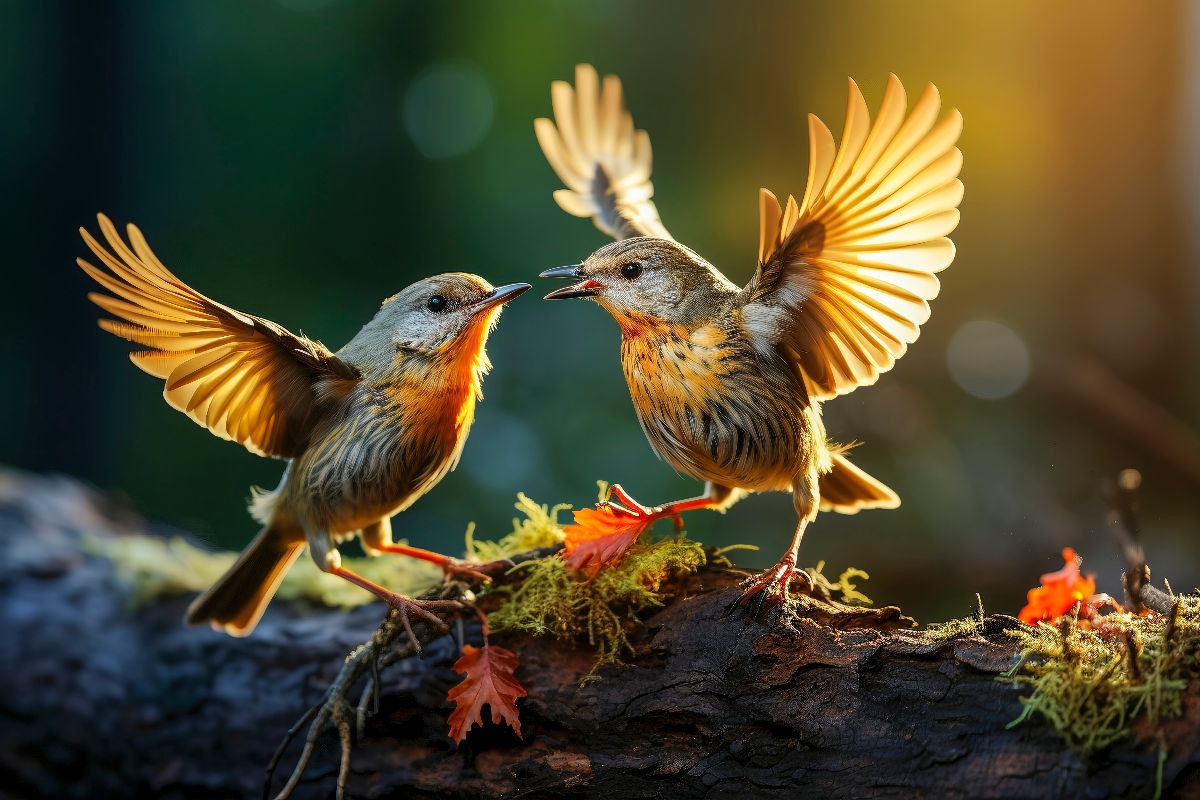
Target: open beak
501,295
585,288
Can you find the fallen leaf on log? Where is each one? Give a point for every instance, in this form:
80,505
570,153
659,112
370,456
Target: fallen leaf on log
487,680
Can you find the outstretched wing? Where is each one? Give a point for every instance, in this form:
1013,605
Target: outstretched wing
844,276
243,377
602,160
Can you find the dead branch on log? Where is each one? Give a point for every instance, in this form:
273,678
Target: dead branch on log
395,639
1122,496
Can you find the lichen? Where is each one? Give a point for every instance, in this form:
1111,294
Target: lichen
1091,685
553,599
153,567
844,586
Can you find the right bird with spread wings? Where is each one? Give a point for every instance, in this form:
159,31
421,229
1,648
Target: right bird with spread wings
728,382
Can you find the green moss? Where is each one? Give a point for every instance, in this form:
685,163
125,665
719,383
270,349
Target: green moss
1090,687
540,528
939,631
553,599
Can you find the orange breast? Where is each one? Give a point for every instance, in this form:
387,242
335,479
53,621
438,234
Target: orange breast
708,409
667,367
398,438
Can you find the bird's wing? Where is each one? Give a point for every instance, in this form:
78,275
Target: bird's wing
244,378
844,276
602,160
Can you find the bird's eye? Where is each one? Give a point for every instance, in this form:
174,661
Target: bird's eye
631,270
437,303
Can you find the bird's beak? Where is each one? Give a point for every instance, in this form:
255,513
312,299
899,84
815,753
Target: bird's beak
585,288
501,295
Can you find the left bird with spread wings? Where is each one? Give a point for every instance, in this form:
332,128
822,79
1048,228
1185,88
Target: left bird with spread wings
365,431
728,381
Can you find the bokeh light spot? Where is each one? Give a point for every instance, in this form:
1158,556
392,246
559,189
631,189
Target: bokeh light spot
988,359
448,109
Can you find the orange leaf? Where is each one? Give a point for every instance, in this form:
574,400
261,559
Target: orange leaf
1058,593
601,535
488,679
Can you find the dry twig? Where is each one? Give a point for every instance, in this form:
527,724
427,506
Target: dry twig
1122,496
395,640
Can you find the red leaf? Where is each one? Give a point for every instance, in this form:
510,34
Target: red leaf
488,679
1059,592
601,535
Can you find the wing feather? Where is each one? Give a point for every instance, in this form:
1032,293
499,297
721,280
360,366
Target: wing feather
853,266
603,161
243,377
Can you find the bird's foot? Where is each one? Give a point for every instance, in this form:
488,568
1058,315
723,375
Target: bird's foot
627,504
772,588
406,608
601,535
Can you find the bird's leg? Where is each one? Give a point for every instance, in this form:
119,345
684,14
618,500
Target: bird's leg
378,537
772,586
452,568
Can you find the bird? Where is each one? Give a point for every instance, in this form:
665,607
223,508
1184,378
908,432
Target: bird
364,431
727,381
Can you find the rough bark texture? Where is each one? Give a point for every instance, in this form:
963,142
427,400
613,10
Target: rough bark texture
99,702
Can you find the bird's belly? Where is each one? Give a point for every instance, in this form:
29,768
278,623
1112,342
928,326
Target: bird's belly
719,422
716,443
363,471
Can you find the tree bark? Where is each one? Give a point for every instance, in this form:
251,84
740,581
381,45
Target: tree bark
104,702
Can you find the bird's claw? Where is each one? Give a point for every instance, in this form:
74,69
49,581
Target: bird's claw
403,607
467,571
771,589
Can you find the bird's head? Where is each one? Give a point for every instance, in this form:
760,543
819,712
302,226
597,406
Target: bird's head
644,278
446,318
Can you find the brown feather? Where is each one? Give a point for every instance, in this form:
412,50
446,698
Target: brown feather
602,160
855,268
207,351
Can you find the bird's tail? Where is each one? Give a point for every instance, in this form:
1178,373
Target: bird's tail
236,602
847,489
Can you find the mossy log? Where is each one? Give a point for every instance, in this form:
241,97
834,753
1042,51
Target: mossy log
100,701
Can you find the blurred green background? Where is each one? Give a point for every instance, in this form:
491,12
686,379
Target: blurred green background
303,159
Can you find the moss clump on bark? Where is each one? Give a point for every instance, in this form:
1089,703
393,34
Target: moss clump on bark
553,599
1092,679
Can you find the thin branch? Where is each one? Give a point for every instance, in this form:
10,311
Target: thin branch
1122,496
283,745
372,657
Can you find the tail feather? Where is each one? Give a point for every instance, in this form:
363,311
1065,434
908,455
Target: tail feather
236,602
847,489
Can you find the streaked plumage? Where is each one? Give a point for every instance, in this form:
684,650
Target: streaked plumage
365,431
727,382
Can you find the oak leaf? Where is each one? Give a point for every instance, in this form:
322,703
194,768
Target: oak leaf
487,680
